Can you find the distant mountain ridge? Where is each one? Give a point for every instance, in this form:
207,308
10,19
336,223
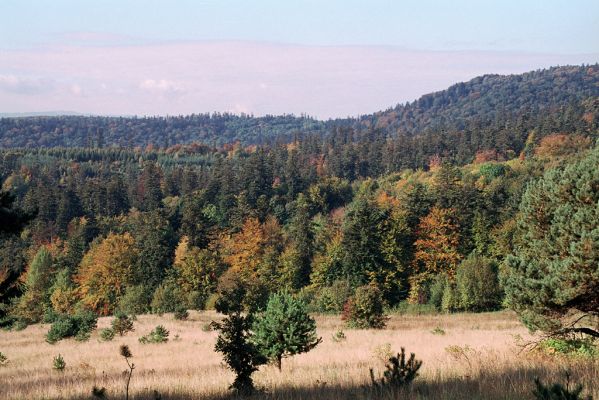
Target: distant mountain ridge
525,101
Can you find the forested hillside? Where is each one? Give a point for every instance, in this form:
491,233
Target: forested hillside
494,99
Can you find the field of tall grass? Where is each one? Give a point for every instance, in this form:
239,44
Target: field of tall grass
466,356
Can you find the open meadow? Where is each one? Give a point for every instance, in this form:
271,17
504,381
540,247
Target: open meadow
473,356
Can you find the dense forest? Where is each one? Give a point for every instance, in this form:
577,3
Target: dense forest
216,129
421,202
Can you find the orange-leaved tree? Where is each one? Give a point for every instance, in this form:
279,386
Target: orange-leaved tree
253,255
243,251
251,251
436,249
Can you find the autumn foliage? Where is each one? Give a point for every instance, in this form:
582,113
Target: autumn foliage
561,144
436,248
437,244
105,272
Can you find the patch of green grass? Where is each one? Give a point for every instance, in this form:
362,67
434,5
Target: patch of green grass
585,348
438,331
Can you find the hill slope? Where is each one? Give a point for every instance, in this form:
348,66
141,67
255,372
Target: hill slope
492,97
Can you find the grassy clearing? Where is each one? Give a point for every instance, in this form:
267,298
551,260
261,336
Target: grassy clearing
475,358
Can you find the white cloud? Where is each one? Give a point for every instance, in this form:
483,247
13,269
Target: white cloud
25,85
76,90
240,109
161,86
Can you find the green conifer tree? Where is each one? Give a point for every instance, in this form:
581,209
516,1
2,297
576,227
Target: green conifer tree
284,328
552,277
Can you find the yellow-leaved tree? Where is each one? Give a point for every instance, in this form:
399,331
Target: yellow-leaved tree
105,272
197,271
38,280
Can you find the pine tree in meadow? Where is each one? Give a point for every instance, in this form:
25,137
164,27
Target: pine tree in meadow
284,328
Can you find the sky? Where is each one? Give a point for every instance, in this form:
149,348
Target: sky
324,58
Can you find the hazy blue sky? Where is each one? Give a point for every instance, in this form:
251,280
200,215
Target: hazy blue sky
326,58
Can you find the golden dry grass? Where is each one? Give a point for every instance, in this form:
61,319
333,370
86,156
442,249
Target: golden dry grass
485,362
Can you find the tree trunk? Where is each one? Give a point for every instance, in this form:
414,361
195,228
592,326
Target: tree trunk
278,362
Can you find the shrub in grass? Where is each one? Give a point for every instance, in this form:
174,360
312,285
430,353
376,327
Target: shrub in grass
122,323
331,299
382,352
19,325
107,334
339,336
136,300
477,284
585,348
284,328
234,339
181,314
58,363
436,290
450,301
407,308
99,393
158,335
365,309
167,298
78,326
195,300
3,359
557,391
400,372
211,301
49,316
438,331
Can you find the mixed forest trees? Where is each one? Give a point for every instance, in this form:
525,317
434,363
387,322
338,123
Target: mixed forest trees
419,236
436,249
352,214
196,272
490,112
38,281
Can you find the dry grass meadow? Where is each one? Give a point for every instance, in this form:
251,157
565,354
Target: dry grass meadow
476,358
